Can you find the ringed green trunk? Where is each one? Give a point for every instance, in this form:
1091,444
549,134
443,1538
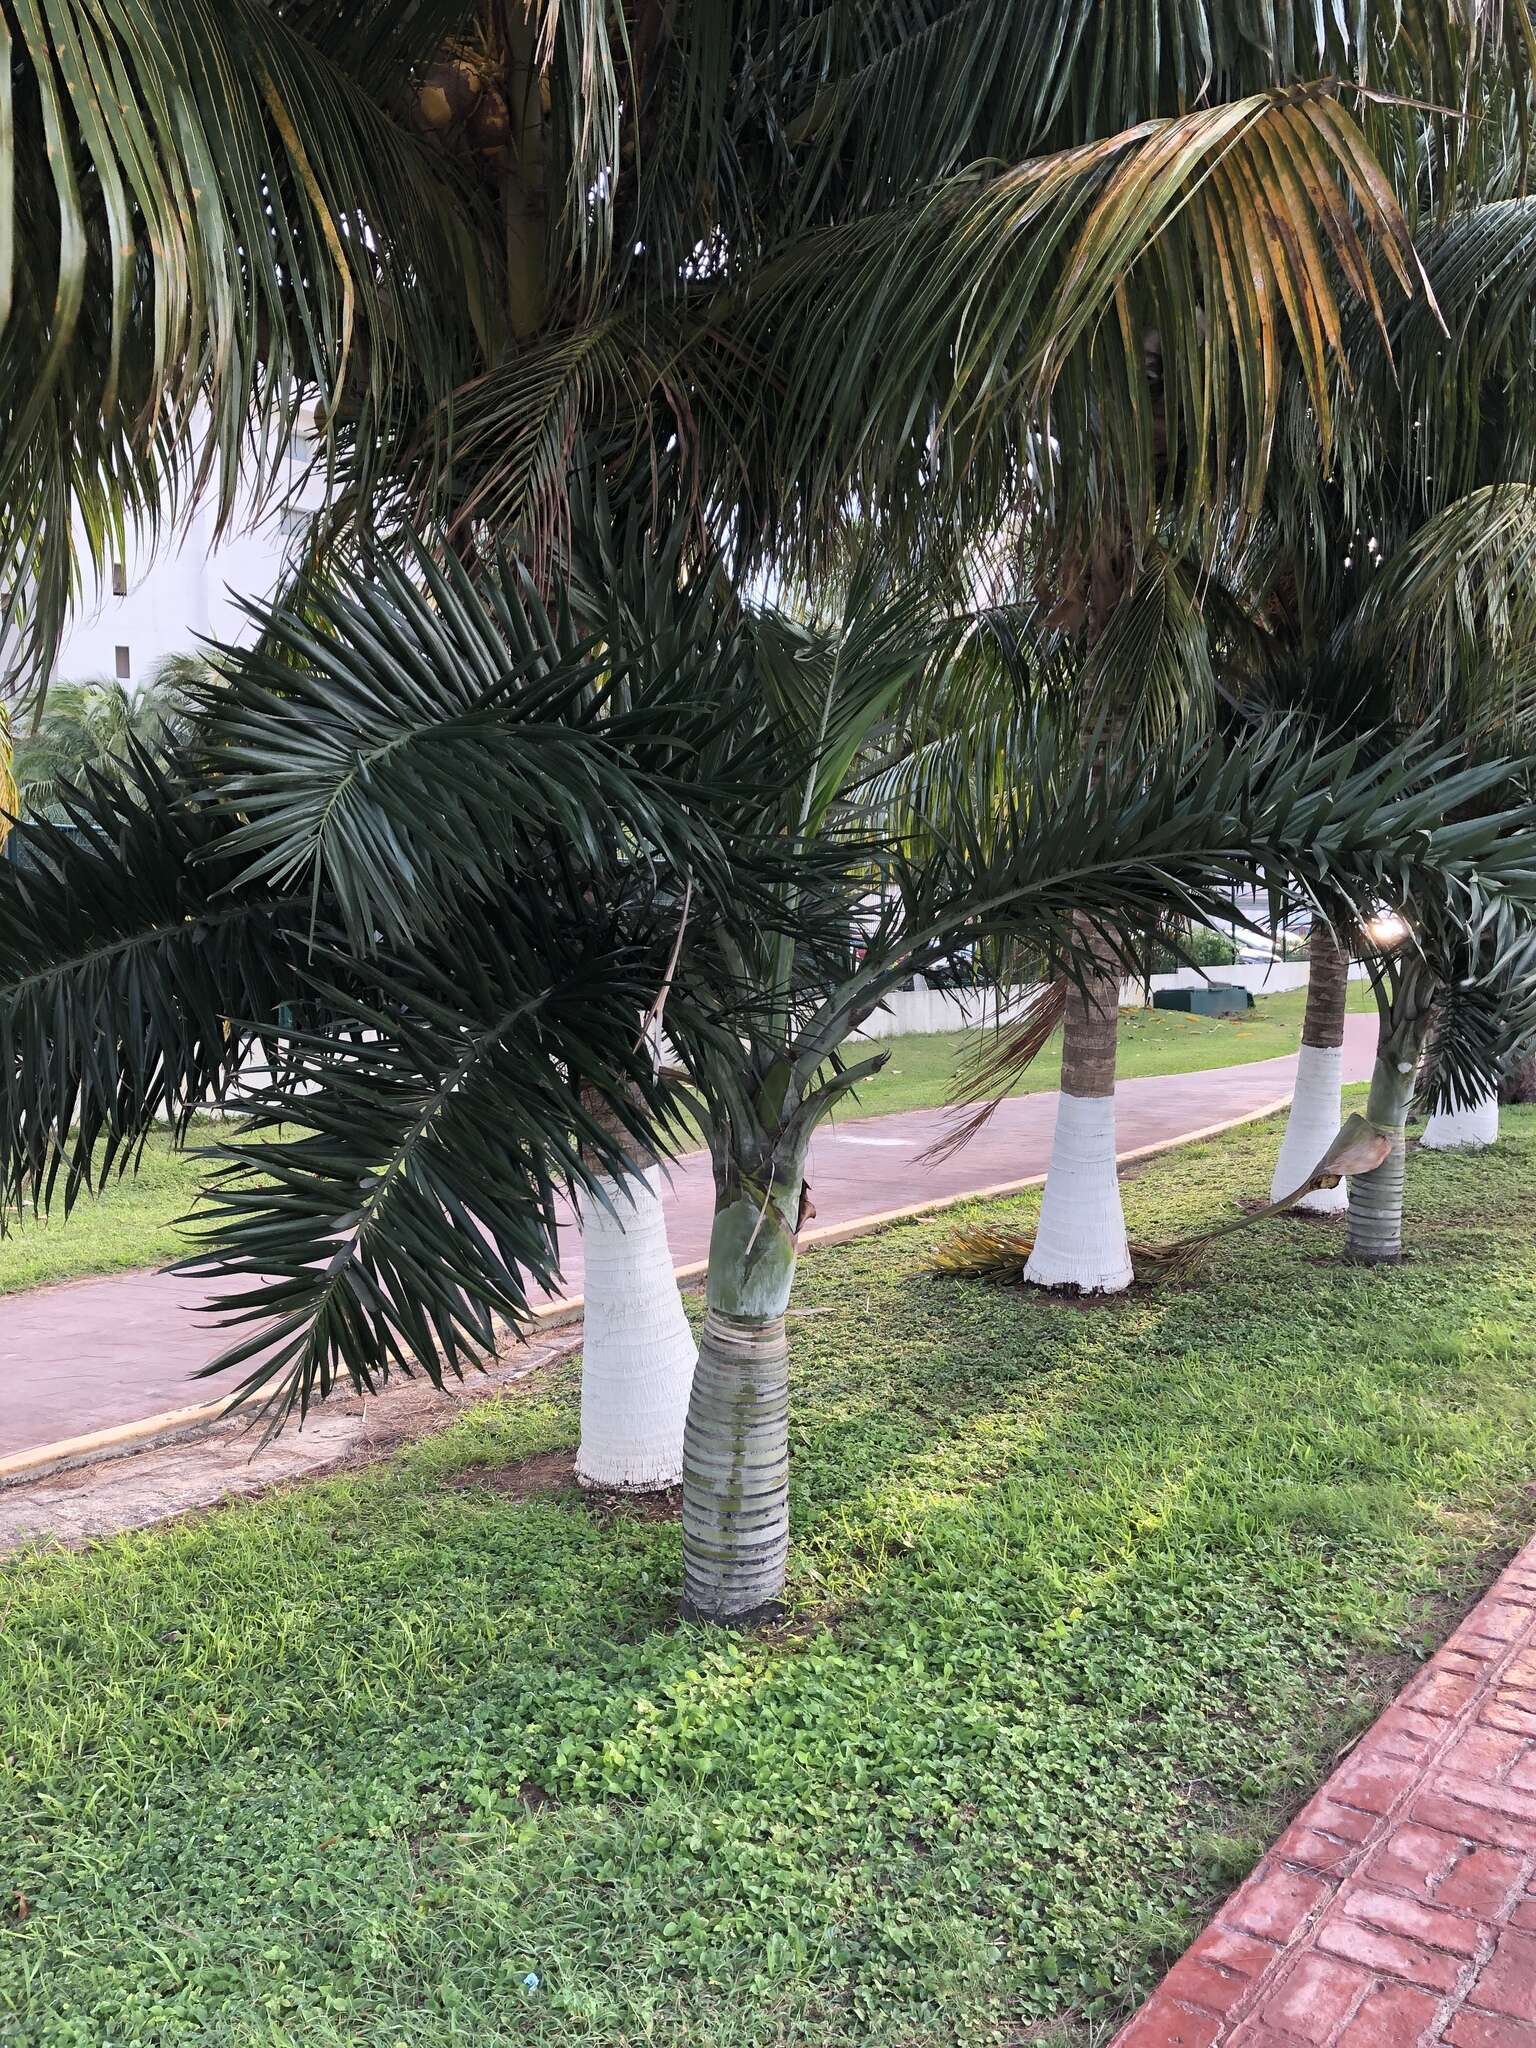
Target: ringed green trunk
736,1443
1376,1198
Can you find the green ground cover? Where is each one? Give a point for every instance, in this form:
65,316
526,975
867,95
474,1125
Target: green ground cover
1082,1604
134,1222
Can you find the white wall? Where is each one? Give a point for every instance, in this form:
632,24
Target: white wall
185,590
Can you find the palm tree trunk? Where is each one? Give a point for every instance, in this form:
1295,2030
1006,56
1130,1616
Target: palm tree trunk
1376,1198
736,1446
637,1349
1316,1106
1471,1129
524,196
1080,1240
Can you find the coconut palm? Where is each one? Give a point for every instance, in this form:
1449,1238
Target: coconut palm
92,726
948,240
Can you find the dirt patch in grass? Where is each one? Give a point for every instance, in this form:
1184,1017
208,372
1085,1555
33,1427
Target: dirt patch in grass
544,1472
548,1472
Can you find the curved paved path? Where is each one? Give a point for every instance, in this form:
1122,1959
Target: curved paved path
90,1354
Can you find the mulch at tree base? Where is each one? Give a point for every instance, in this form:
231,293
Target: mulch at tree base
554,1472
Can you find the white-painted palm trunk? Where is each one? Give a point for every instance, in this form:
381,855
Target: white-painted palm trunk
1471,1129
637,1349
1080,1240
1313,1124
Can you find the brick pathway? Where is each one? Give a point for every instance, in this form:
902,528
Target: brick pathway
1398,1910
90,1354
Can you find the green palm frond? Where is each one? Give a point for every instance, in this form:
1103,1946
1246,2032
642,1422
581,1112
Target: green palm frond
1089,856
86,728
1452,612
399,1190
1442,398
403,735
207,224
136,971
893,96
1485,1010
1026,308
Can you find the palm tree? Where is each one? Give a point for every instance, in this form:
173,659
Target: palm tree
1402,591
949,242
84,728
437,1027
1088,847
1316,1102
763,1086
1473,979
480,236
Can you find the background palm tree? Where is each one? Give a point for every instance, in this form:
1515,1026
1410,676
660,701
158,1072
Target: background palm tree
1401,590
88,727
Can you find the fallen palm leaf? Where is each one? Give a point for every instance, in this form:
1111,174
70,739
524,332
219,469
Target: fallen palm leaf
985,1252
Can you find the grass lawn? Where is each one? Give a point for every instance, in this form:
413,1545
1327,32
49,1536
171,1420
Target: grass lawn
1082,1604
134,1223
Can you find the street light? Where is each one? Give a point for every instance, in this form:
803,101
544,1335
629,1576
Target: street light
1386,928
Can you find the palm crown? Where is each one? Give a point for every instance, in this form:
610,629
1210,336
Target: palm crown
966,252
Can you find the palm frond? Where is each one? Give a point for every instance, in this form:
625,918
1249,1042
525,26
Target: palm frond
1453,609
894,96
402,736
136,972
208,224
1485,1009
1008,317
401,1185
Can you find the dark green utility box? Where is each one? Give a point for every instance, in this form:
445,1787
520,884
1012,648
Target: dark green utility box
1217,1001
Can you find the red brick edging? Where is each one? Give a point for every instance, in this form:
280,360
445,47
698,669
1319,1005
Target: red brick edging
1399,1908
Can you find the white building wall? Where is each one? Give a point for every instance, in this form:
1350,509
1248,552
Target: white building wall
185,590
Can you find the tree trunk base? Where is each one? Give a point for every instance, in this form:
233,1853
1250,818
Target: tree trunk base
1353,1258
640,1489
767,1615
1472,1128
1080,1242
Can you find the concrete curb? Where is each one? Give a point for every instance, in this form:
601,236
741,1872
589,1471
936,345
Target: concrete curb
175,1422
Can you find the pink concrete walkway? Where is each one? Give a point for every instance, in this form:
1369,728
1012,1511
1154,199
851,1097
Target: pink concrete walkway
1399,1908
94,1353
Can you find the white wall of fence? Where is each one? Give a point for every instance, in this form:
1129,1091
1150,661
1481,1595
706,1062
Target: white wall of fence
919,1012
